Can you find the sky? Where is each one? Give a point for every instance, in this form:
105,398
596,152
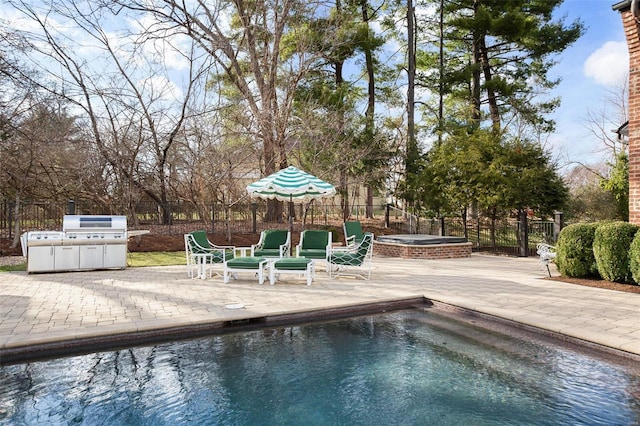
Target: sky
589,69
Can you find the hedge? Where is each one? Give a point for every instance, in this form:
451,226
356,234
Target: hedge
611,245
574,250
634,258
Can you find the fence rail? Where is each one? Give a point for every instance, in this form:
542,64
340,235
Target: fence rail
497,236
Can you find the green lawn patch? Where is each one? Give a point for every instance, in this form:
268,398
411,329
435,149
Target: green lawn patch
135,259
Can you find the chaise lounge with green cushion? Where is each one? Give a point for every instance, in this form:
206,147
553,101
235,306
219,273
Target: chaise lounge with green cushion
314,244
352,232
272,243
202,254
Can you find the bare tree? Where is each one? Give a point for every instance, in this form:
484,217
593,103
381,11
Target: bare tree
245,39
602,121
123,87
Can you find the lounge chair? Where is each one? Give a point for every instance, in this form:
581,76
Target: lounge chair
352,232
314,244
272,243
353,260
202,254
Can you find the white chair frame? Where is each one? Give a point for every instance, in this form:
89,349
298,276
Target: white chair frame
285,248
547,254
362,270
198,264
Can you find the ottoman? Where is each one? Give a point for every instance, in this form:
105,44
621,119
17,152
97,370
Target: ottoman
256,265
301,266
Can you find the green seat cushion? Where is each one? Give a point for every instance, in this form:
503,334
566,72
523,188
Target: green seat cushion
217,256
266,253
247,262
292,263
313,253
344,258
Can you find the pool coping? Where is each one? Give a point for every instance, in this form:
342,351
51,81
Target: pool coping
159,334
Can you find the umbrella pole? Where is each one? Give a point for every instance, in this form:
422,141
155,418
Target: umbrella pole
291,213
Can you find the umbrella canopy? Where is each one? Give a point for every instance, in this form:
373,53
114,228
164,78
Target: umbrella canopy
291,184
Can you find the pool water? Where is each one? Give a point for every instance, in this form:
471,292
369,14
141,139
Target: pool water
409,368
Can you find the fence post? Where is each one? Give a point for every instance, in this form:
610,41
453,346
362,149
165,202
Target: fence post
254,217
442,230
558,224
523,233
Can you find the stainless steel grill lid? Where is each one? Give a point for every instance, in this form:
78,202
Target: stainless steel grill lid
79,223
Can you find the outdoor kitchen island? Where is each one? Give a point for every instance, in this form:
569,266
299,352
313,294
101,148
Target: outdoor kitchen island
85,243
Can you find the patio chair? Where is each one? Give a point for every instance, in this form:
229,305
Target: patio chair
272,243
352,232
353,260
314,244
202,254
547,254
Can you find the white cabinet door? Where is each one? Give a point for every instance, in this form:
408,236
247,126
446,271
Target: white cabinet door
91,257
40,259
67,258
115,256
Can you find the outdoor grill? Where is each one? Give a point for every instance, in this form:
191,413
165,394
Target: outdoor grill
86,242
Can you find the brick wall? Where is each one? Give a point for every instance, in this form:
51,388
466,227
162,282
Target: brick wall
633,42
433,251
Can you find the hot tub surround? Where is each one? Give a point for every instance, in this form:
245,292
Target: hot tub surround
418,246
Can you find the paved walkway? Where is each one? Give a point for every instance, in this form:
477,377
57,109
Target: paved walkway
44,308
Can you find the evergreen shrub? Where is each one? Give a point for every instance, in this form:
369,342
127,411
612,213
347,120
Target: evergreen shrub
634,258
574,250
611,245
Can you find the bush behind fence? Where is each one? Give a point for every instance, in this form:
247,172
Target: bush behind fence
502,236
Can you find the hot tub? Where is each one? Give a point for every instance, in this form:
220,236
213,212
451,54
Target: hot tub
420,239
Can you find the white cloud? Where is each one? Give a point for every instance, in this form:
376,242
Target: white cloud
160,87
609,64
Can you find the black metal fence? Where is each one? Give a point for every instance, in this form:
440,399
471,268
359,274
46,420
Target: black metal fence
498,236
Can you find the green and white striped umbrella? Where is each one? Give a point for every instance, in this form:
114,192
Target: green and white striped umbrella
291,184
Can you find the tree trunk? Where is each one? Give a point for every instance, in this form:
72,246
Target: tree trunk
16,222
475,79
412,147
371,105
441,74
491,94
369,208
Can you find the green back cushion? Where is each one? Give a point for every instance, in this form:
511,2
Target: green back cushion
274,238
315,239
201,240
353,228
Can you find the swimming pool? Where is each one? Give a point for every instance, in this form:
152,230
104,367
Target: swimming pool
409,367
